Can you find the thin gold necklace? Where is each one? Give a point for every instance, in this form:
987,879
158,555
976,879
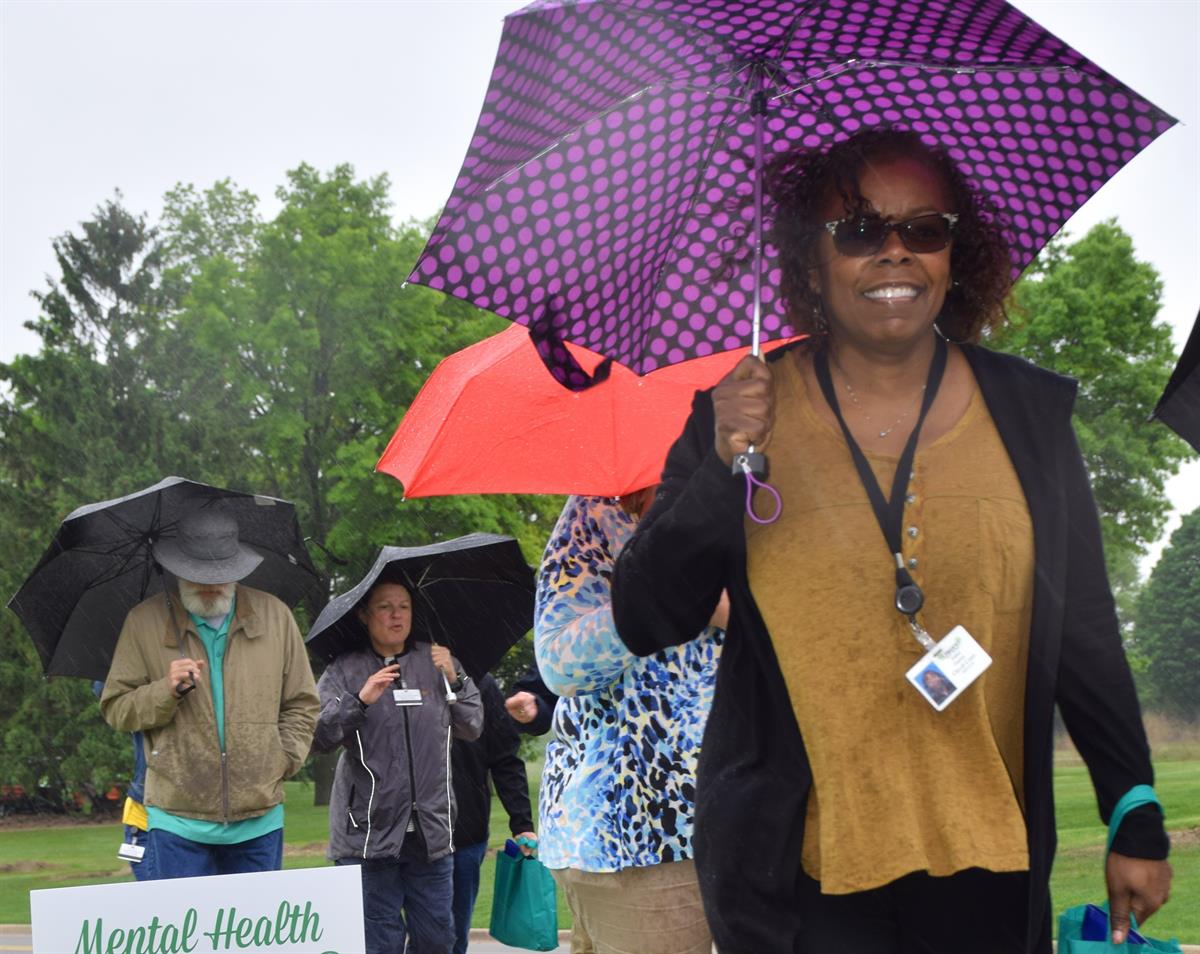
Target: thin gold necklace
867,417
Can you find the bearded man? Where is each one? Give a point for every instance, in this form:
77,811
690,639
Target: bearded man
216,676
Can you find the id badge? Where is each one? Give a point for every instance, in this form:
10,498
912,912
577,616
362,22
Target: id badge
406,697
946,670
131,853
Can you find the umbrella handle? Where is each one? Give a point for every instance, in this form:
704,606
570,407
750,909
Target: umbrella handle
451,695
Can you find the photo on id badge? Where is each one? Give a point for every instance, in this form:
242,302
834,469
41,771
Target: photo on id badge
934,685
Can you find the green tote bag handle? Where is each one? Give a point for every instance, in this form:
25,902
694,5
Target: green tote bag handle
1136,797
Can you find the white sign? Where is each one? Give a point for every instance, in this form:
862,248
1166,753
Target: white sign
301,911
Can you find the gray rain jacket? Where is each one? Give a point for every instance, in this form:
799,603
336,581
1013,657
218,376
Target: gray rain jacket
396,757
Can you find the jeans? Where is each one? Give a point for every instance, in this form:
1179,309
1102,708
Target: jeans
467,861
421,889
176,857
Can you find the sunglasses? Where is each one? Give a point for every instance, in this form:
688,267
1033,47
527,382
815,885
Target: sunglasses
861,235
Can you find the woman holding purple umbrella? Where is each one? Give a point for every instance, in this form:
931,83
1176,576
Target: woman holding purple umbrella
936,510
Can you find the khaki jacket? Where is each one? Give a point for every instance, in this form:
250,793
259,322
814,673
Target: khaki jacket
271,708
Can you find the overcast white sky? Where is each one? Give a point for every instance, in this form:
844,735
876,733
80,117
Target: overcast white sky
100,95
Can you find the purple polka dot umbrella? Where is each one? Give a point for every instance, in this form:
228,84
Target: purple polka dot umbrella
611,193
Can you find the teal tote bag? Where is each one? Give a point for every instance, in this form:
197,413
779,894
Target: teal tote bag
1077,925
524,908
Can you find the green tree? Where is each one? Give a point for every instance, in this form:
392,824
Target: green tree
316,335
1167,632
272,356
1089,309
322,345
79,421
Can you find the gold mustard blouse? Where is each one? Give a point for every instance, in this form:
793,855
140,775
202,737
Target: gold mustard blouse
897,786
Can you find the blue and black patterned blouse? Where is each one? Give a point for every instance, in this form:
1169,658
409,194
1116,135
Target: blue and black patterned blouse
618,789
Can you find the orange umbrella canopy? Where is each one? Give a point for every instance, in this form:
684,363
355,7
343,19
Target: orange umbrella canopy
490,419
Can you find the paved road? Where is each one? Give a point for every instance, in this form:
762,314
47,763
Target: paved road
17,939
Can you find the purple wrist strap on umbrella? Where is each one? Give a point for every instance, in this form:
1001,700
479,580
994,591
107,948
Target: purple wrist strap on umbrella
751,483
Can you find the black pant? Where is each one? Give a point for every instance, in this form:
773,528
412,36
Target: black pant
971,912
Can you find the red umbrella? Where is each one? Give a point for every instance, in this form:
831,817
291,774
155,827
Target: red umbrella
491,420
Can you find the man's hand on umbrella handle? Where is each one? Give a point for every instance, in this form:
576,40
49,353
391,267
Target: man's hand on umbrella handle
377,683
183,675
1137,885
744,407
522,706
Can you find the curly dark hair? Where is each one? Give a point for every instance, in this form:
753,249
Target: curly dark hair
800,181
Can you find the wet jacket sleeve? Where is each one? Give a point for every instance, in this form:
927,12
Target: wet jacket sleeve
669,576
341,712
1096,693
466,715
136,695
502,743
298,703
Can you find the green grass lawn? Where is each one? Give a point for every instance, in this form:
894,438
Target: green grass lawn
59,857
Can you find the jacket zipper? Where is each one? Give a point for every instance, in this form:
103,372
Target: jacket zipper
412,785
370,798
449,796
220,740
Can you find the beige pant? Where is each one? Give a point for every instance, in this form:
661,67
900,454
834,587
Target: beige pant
652,910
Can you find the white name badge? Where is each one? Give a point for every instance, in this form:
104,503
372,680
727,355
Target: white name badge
406,697
131,853
947,669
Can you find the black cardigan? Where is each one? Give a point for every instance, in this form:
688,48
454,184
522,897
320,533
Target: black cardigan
753,774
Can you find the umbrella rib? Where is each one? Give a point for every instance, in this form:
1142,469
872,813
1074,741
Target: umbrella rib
550,147
684,210
465,579
738,61
851,65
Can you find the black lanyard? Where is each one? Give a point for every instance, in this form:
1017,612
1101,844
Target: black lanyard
889,513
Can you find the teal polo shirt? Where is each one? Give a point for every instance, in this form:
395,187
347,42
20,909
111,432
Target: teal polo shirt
215,639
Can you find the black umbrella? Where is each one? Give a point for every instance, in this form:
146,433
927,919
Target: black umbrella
1179,406
100,565
473,594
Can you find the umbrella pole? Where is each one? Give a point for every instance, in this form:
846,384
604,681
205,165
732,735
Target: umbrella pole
758,108
752,463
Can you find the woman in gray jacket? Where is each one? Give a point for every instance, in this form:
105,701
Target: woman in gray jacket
392,807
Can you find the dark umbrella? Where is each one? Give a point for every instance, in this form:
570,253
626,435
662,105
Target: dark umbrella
611,195
1179,406
99,566
473,594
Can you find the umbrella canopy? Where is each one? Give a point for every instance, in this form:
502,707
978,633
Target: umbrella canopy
607,194
473,594
1179,406
100,565
491,419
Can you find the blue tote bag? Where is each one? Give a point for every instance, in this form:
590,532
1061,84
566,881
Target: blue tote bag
1084,929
